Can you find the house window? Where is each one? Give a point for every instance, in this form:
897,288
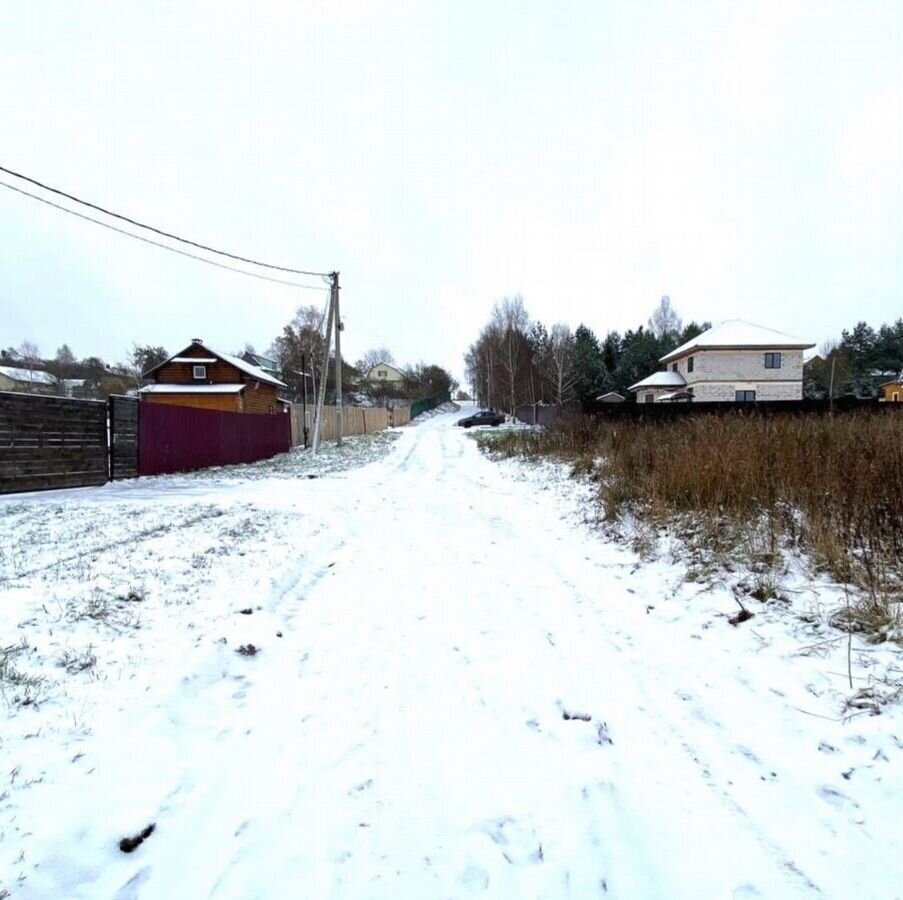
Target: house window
689,363
772,360
650,398
745,396
382,373
199,372
895,396
673,367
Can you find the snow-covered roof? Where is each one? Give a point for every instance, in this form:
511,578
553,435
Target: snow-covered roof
192,389
32,376
249,369
672,395
611,395
737,333
660,380
246,367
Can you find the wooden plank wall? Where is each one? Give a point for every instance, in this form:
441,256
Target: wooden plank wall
123,437
358,420
51,442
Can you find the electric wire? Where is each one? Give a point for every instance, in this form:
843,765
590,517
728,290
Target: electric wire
159,231
138,237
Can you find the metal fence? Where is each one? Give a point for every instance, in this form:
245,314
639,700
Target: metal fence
539,414
180,438
428,403
667,411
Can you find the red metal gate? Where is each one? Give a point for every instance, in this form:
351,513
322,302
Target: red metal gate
179,438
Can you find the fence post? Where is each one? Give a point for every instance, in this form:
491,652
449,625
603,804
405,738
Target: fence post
111,432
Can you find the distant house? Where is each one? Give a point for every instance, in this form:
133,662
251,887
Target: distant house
270,366
892,391
27,381
735,361
610,397
385,374
205,379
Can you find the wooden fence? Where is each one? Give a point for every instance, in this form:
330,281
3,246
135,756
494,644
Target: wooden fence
51,442
356,420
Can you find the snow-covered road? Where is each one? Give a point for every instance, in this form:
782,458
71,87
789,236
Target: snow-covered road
459,689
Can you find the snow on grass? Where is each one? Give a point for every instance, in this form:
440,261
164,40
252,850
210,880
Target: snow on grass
427,676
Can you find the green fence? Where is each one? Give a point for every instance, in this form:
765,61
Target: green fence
421,406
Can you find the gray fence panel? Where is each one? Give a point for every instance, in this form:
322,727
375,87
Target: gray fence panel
51,442
123,437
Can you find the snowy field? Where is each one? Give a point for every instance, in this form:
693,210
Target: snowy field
418,674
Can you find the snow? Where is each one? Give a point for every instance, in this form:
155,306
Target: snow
192,389
738,333
660,379
248,368
33,376
194,360
462,687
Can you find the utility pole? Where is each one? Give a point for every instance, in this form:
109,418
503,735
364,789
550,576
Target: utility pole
831,387
338,359
327,339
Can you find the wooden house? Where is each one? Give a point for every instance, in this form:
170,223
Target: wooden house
205,379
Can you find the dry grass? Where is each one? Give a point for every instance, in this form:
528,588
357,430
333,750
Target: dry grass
830,486
17,687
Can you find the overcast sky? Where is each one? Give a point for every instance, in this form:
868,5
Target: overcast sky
744,158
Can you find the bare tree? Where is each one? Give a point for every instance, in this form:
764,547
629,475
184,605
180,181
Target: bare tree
301,341
510,320
30,354
665,321
560,362
373,357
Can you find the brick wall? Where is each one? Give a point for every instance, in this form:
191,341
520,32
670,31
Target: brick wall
741,365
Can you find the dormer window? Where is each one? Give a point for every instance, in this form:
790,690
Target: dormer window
199,373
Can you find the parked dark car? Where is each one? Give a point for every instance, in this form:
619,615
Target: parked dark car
483,417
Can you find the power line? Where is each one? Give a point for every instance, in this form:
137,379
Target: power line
138,237
162,233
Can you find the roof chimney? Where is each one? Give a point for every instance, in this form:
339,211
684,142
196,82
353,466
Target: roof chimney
197,340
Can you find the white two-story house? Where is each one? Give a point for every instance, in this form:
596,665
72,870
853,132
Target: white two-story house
385,375
735,361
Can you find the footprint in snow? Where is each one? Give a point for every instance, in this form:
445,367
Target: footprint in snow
837,799
131,889
474,879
